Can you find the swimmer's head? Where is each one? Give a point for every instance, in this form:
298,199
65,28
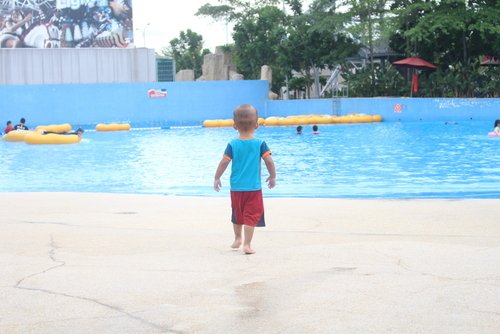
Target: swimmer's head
245,117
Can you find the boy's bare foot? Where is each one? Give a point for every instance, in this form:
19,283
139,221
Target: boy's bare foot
248,250
236,243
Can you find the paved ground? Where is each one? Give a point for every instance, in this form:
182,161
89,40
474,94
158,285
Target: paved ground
101,263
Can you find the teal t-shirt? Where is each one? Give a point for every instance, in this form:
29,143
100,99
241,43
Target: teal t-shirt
245,155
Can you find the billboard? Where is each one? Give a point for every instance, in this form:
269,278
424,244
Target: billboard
66,23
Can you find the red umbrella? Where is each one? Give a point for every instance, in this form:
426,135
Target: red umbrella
490,61
414,63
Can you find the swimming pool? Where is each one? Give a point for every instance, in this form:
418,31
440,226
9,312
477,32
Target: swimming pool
378,160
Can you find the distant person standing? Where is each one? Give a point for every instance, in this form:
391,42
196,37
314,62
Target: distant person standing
21,125
8,128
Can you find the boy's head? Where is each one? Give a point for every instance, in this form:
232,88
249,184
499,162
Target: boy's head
22,121
9,123
245,118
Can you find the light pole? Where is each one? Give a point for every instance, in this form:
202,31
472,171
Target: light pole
144,33
143,30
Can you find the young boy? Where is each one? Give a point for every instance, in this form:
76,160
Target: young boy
246,191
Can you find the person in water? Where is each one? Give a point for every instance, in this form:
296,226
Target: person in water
315,130
496,127
21,125
8,128
79,132
299,130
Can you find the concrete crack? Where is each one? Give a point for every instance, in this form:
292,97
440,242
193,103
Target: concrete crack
399,262
60,263
51,254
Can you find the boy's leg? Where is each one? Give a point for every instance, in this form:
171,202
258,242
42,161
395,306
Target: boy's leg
247,248
237,236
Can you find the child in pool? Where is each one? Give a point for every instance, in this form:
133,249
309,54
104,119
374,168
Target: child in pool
8,128
315,130
246,153
496,127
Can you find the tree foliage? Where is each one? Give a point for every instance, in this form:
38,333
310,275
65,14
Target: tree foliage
187,50
453,34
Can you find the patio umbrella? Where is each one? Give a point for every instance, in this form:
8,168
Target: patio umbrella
490,61
416,64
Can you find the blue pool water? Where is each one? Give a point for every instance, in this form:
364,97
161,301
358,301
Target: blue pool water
382,160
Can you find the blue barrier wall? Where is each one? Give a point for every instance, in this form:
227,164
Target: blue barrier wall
189,103
393,109
186,103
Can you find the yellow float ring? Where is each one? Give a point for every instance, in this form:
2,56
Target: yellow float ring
66,127
16,135
50,139
376,118
113,127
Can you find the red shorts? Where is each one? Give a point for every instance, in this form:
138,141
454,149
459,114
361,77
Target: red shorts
248,208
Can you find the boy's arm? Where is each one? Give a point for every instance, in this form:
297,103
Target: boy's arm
271,180
218,173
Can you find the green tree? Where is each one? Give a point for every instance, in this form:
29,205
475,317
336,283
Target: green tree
453,34
367,20
316,40
259,28
187,50
257,39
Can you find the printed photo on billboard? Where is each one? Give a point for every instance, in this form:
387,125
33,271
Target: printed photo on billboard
66,24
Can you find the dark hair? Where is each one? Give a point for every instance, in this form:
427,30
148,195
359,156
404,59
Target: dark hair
497,123
22,120
80,130
9,122
315,128
299,128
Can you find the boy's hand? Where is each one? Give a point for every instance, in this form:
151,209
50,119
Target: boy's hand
217,185
271,182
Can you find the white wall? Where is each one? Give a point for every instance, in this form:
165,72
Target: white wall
76,66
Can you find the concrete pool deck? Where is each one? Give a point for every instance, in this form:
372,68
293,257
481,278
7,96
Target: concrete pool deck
108,263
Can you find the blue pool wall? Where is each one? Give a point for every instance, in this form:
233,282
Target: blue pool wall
189,103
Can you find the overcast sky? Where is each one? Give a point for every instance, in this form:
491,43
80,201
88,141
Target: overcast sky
167,18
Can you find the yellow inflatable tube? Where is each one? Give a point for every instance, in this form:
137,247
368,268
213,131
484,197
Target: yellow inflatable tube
301,120
16,135
54,128
112,127
218,123
50,139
